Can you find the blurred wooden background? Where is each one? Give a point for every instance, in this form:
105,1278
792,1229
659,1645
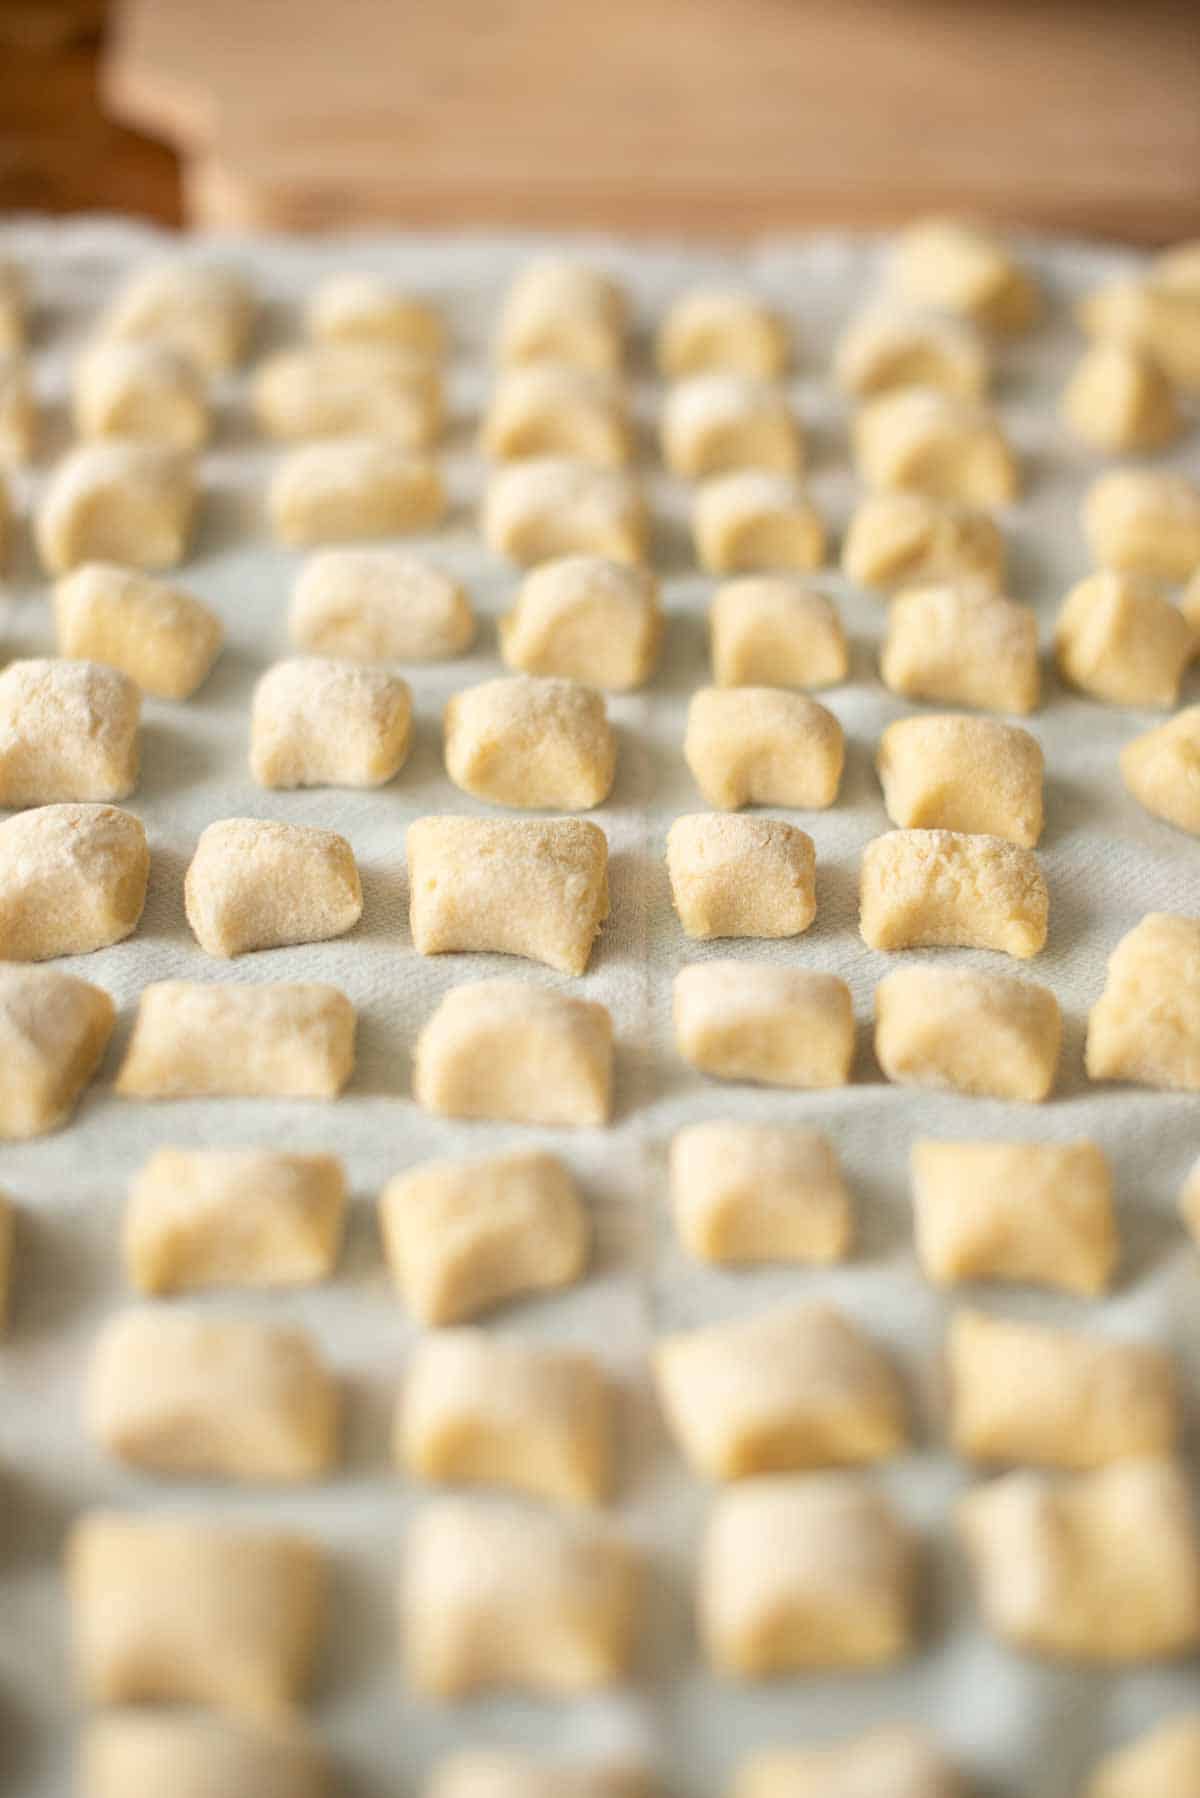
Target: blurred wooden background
715,116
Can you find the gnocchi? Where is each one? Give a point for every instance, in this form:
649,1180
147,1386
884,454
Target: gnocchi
144,390
54,1030
721,330
734,876
257,884
924,889
962,644
963,774
1162,770
1145,1026
558,409
586,618
516,1053
753,520
774,631
550,506
715,423
379,605
164,639
749,1193
130,502
534,742
776,1025
315,722
1144,521
72,880
763,746
910,540
1119,640
220,1040
991,1035
351,487
926,440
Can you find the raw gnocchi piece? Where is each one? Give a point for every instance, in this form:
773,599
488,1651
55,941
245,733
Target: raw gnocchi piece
68,730
534,742
1118,639
1165,1759
790,1389
908,539
379,605
482,1410
763,746
1046,1397
772,630
748,1193
741,876
558,409
1178,268
962,644
898,1760
586,618
1159,314
117,502
18,412
516,1053
14,305
321,723
176,1610
925,889
361,308
508,887
1162,770
257,884
1119,401
1099,1568
1145,1026
165,640
963,774
331,390
565,311
803,1573
353,487
1040,1213
201,1397
53,1031
1189,1202
925,440
147,391
990,1035
1144,521
715,423
72,879
494,1597
504,1773
717,329
776,1025
752,520
554,506
203,309
197,1218
290,1040
464,1236
885,349
142,1754
6,1254
958,267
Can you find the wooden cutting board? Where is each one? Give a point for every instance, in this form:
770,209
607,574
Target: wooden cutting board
723,116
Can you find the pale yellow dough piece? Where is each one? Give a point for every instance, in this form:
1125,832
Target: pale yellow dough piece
565,311
715,329
1144,521
715,423
1189,1202
327,390
516,1053
508,887
763,746
1098,1568
793,1388
588,619
959,267
163,638
379,605
1039,1213
749,1193
1035,1395
72,879
553,506
257,884
753,520
1145,1026
963,774
477,1409
117,502
772,630
14,306
962,644
1159,314
18,412
1119,401
7,1230
499,1598
805,1573
891,1761
464,1236
141,390
362,308
558,409
734,876
53,1031
909,539
926,889
198,1218
924,440
7,517
764,1022
886,349
203,309
1118,639
533,742
144,1754
321,723
68,730
991,1035
353,487
203,1397
230,1041
176,1610
1162,770
1164,1760
505,1773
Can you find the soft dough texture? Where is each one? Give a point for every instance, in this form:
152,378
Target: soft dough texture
887,348
926,440
507,1773
1162,770
756,519
326,390
117,502
560,506
558,409
68,730
140,1754
1145,1026
53,1031
379,605
924,889
992,1035
1118,639
204,309
1119,401
734,876
780,1026
959,267
758,1193
963,774
72,879
909,539
763,746
891,1761
1144,521
713,328
774,631
221,1040
559,310
256,884
1165,1759
713,423
161,637
962,645
532,742
518,1053
144,390
351,487
587,618
321,723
